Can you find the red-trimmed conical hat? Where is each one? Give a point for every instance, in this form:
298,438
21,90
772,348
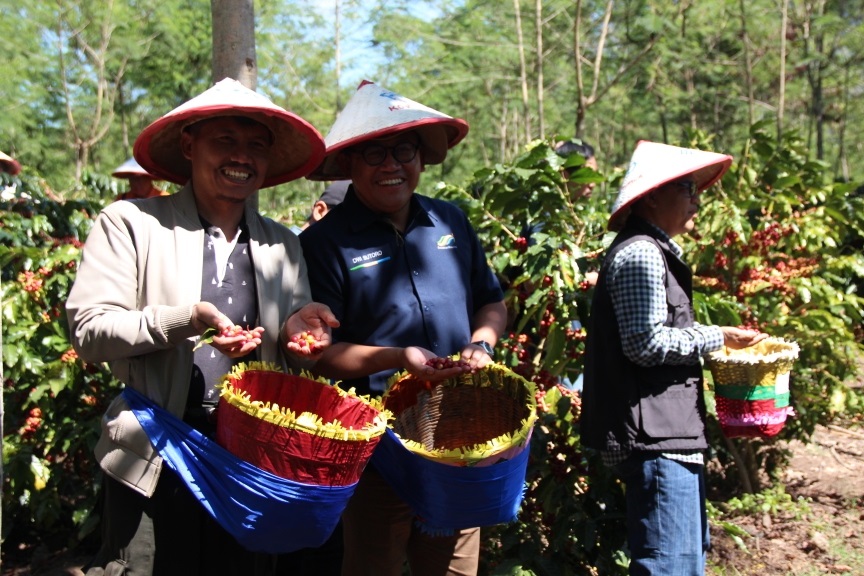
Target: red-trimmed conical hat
9,164
375,112
297,146
130,168
654,164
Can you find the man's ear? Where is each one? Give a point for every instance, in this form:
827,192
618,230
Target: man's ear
186,144
319,210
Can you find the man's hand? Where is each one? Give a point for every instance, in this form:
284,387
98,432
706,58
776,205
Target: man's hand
415,360
314,321
475,356
737,338
233,341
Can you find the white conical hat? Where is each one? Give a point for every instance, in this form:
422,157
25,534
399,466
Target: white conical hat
130,168
375,112
297,145
9,164
654,164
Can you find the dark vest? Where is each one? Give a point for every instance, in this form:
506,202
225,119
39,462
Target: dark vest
625,405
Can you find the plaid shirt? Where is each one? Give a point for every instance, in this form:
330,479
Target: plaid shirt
636,280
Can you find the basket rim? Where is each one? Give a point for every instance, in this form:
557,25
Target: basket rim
788,353
475,452
309,422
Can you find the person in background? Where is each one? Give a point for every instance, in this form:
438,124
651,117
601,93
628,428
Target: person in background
567,148
154,276
140,181
643,404
332,196
408,279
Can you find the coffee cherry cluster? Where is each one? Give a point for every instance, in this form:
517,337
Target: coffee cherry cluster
307,342
238,331
445,363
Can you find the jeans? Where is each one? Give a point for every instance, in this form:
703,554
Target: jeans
667,525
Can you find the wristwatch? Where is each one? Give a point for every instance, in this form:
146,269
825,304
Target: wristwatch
485,346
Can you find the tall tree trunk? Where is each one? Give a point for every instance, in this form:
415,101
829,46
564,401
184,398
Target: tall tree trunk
782,99
523,73
234,41
538,17
748,64
338,56
234,49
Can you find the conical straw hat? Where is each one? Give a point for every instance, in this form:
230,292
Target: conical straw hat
374,112
130,168
297,145
9,164
654,164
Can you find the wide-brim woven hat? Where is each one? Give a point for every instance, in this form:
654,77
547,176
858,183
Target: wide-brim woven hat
297,146
130,168
374,112
9,164
653,165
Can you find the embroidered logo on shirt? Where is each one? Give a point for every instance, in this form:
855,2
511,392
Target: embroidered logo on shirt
368,260
446,242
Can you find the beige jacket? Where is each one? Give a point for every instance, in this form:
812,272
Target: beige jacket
130,306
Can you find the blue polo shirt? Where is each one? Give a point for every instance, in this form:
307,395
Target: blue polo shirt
420,288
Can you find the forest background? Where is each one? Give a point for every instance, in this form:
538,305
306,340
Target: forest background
777,84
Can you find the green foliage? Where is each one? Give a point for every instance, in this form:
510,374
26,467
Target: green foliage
53,400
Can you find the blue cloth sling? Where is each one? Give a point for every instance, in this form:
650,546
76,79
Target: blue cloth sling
264,512
447,498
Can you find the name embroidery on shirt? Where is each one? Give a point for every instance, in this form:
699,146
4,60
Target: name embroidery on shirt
368,260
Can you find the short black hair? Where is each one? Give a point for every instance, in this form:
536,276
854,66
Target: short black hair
575,145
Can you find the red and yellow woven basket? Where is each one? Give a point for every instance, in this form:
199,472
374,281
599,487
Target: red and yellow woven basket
751,387
297,427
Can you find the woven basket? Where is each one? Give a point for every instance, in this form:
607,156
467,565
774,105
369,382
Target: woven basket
470,420
296,427
751,387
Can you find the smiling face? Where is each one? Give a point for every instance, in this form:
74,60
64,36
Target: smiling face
386,188
229,155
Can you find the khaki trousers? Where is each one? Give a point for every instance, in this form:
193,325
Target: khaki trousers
380,535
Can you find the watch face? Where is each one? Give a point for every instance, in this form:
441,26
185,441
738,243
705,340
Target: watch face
485,345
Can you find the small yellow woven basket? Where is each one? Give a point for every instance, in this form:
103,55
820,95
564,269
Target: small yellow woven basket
751,387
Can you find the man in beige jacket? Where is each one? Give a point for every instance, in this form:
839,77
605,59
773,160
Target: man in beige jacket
156,274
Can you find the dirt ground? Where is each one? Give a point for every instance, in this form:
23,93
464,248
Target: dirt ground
826,540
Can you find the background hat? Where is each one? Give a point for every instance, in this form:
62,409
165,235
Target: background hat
375,112
129,169
9,164
297,145
334,193
654,164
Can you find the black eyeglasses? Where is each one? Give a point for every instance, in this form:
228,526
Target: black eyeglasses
688,186
376,154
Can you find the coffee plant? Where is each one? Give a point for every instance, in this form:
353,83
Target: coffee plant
53,401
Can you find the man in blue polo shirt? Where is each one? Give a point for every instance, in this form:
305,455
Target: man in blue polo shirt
409,281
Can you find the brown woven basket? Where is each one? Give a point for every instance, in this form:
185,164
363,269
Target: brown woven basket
468,420
758,365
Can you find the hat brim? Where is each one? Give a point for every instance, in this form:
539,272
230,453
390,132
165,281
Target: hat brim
9,164
437,136
296,150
